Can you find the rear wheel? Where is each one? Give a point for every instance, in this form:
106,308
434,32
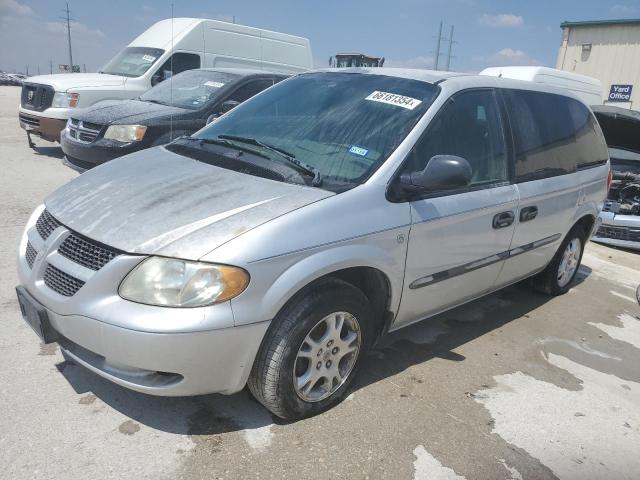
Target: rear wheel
312,350
557,278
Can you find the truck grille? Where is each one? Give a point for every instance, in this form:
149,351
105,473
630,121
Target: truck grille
36,97
30,254
619,233
86,252
77,248
83,132
46,224
61,282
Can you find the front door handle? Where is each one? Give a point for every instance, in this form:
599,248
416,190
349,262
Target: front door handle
504,219
528,213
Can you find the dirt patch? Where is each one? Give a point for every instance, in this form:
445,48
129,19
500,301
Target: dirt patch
129,427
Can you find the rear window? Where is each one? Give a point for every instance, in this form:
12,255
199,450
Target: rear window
552,134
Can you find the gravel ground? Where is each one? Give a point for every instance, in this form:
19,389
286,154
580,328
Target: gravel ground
513,386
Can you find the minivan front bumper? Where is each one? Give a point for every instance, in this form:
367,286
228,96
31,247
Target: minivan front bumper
618,230
155,350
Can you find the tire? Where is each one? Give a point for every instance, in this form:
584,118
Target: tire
304,322
550,281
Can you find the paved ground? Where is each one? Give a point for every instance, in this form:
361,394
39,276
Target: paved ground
514,386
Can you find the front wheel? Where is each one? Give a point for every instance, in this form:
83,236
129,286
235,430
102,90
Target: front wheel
312,350
557,278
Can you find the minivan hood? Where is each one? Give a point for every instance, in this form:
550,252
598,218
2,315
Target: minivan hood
126,112
62,82
158,202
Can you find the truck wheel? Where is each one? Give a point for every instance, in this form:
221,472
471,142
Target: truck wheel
312,350
557,278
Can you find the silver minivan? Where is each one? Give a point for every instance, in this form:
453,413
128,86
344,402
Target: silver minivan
273,247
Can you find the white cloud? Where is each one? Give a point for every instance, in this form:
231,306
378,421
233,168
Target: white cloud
11,6
624,10
415,62
502,20
76,27
510,56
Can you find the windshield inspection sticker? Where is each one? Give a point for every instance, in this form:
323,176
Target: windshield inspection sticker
148,58
214,84
359,151
394,99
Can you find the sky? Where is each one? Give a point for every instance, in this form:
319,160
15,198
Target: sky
486,32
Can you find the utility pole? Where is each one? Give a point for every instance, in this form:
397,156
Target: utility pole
51,67
438,47
38,69
234,19
68,18
450,46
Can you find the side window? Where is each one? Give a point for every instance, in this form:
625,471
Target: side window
469,126
177,63
591,148
250,89
543,134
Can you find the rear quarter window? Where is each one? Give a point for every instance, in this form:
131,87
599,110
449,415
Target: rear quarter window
544,134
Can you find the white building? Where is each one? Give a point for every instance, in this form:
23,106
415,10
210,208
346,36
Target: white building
608,50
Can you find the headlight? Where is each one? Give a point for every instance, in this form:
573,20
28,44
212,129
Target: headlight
179,283
65,100
125,133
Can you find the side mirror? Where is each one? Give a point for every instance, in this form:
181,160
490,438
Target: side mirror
212,117
156,78
443,172
229,105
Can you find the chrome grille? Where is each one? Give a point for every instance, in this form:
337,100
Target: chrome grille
36,96
30,254
619,233
61,282
83,132
86,252
46,224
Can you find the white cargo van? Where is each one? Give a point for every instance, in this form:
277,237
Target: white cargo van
166,48
588,89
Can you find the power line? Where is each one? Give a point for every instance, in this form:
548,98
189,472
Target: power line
449,57
438,47
68,19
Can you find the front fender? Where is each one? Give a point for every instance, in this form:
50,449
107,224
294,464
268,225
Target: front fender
275,281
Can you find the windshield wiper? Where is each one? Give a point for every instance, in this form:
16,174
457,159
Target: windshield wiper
158,102
289,157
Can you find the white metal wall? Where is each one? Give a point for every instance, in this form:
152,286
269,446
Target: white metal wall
614,57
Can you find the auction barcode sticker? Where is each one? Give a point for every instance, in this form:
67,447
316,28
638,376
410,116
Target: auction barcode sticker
214,84
148,58
394,99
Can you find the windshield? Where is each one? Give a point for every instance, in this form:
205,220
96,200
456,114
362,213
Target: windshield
132,61
342,125
191,89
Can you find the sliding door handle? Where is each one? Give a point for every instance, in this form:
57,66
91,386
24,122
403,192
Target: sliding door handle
504,219
528,213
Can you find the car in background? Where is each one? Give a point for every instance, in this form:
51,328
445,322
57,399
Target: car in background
181,106
14,79
620,215
165,49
